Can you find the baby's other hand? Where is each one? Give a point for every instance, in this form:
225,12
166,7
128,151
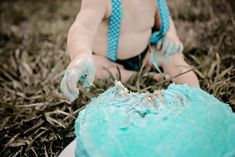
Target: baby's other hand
81,68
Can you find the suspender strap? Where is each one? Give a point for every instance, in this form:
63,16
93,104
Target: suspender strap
165,21
115,25
114,30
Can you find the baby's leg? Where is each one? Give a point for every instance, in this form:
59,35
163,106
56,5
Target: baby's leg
148,63
175,65
105,68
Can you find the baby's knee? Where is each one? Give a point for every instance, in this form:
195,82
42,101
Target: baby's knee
173,60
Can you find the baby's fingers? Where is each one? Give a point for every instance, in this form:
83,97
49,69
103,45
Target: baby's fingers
90,77
63,85
72,81
155,76
69,84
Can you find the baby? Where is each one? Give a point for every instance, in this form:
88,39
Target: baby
112,36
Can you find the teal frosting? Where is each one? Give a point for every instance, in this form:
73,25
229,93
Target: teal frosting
177,122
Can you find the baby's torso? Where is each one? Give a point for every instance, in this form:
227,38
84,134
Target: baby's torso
136,28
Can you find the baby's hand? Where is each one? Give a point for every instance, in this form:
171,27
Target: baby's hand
82,68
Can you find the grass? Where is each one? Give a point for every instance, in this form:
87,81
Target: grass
36,119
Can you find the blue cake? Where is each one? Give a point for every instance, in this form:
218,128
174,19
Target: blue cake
177,122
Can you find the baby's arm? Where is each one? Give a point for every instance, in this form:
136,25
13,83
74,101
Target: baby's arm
80,39
83,30
174,64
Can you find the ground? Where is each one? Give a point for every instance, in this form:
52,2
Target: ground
35,118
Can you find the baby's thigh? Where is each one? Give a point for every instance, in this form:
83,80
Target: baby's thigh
103,62
104,67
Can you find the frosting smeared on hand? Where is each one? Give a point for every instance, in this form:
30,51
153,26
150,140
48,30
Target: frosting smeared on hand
80,70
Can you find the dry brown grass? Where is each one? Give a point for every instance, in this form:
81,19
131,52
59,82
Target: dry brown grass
36,120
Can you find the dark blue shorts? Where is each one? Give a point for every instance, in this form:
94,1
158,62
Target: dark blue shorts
133,63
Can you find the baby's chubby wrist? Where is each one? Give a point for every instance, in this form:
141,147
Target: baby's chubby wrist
80,56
